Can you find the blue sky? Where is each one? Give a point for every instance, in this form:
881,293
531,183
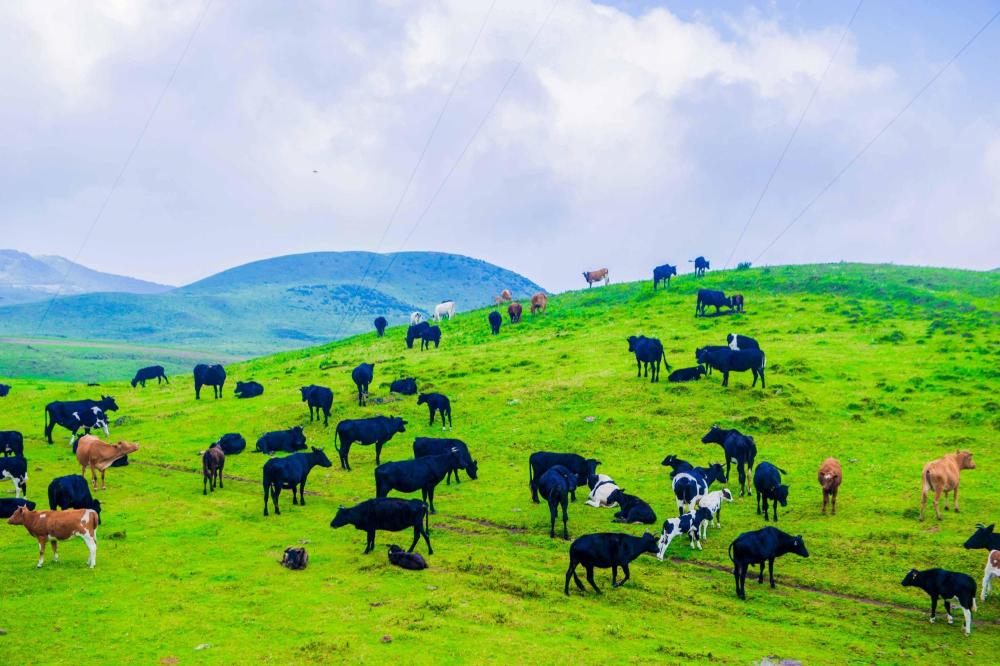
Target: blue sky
634,133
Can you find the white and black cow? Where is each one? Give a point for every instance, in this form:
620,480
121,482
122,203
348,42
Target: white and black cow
601,486
737,342
688,523
713,502
15,469
690,485
71,413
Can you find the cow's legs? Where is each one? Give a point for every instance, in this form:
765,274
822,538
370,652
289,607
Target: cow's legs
627,574
565,531
41,551
947,611
934,601
204,484
55,551
590,578
553,512
104,486
968,620
725,378
378,452
370,543
736,578
937,499
430,496
92,547
775,510
743,579
295,494
275,491
833,502
302,494
987,580
955,493
757,494
638,368
571,573
760,576
770,571
614,575
416,536
93,474
265,498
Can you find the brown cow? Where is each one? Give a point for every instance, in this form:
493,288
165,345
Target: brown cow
596,276
506,296
55,526
539,302
97,455
514,312
830,476
212,463
738,302
942,476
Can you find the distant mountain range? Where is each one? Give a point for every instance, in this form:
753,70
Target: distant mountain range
273,304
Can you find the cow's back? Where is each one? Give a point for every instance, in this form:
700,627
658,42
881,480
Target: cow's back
86,448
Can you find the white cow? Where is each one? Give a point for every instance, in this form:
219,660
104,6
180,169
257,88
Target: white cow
444,308
415,318
604,486
713,502
992,571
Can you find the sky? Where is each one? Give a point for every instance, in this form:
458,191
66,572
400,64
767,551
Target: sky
575,135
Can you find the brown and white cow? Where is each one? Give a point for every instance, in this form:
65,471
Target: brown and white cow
539,302
506,296
53,526
97,455
942,476
830,477
596,276
992,571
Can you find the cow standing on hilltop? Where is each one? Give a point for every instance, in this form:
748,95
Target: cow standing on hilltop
701,264
363,376
663,274
380,324
596,276
209,375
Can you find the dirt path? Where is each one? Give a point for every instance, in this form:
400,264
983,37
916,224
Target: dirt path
122,346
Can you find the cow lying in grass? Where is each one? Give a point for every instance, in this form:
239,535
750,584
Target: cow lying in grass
633,509
601,487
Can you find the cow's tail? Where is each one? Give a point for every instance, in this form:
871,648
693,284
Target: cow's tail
731,559
780,470
46,419
763,360
338,435
427,518
531,478
663,355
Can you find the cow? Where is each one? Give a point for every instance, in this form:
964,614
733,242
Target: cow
514,312
942,476
70,414
992,571
555,485
712,502
423,474
713,297
539,302
444,308
662,274
11,443
291,472
738,302
436,402
15,469
231,443
768,487
506,296
53,526
701,264
727,360
404,560
737,448
406,386
676,465
690,485
87,420
431,446
363,376
213,461
983,538
209,375
737,342
601,487
416,332
289,441
606,550
495,322
948,586
149,373
8,505
432,334
596,276
686,374
648,354
380,324
689,523
4,390
760,547
97,455
389,514
830,478
295,559
248,390
72,492
540,461
319,398
415,318
375,430
633,509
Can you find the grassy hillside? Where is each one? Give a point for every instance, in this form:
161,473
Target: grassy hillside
882,367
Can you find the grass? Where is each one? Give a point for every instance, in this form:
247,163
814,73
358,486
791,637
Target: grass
883,367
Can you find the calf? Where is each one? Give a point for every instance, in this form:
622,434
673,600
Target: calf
407,386
495,321
290,440
146,374
711,297
992,571
606,550
676,465
15,469
726,361
376,430
423,474
295,559
443,309
737,342
436,402
662,274
318,398
601,487
737,302
760,547
648,354
53,526
686,374
231,443
291,472
540,461
363,376
209,375
830,476
97,455
212,463
555,485
738,448
691,484
506,296
431,446
8,505
11,443
687,523
76,414
432,334
942,476
380,324
514,311
948,586
4,390
983,538
248,389
404,560
72,492
712,502
633,509
389,514
768,486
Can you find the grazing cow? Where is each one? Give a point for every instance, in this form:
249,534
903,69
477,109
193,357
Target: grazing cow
514,312
691,484
231,443
506,296
738,302
830,477
380,324
948,586
701,264
72,492
737,342
714,297
662,274
53,526
942,476
97,455
404,560
633,509
689,523
983,538
149,373
540,461
648,354
676,465
8,505
738,448
596,276
686,374
416,332
992,571
319,398
11,443
768,486
727,360
432,334
760,547
539,302
606,550
601,487
555,485
248,390
289,441
71,414
444,308
209,375
495,321
416,318
431,446
423,474
295,559
16,470
712,502
363,376
376,430
390,514
212,463
4,390
406,386
436,402
291,473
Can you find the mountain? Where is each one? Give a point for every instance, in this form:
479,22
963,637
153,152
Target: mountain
24,279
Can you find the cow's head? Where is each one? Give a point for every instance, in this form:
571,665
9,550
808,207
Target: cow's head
135,381
964,460
717,472
298,437
714,435
911,578
108,404
125,448
320,458
616,496
345,516
422,398
780,493
305,391
472,467
726,495
649,544
983,537
672,461
799,546
399,424
592,464
17,518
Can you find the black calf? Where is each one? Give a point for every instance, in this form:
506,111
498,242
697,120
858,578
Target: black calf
436,402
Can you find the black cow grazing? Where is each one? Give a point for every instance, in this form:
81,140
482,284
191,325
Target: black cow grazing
983,538
8,505
15,469
495,321
231,443
701,264
947,586
676,465
432,334
758,547
436,402
76,414
662,274
404,560
290,440
687,374
291,472
213,461
248,390
72,492
632,509
555,485
415,332
407,386
648,354
149,373
701,351
727,360
431,446
376,430
737,342
540,461
390,514
423,474
4,390
714,297
363,376
691,485
209,375
11,443
318,398
767,483
606,550
738,448
380,324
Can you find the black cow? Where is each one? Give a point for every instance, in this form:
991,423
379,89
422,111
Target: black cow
946,585
737,342
390,514
701,351
662,274
149,373
540,461
231,443
363,376
739,449
76,414
8,505
248,390
405,560
11,443
209,375
291,472
632,509
318,398
495,321
687,374
289,441
72,492
414,332
432,334
431,446
4,390
727,360
648,354
376,430
607,550
555,485
707,297
436,402
423,474
15,469
768,486
407,386
984,538
701,264
758,547
676,465
380,324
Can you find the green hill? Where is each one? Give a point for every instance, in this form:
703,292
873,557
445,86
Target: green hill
883,367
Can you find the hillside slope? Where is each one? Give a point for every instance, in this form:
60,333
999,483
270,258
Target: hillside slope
883,367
